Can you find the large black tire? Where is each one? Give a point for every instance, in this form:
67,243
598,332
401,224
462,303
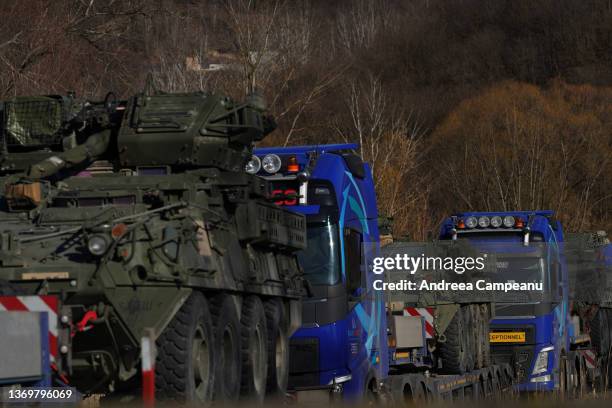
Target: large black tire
278,348
254,350
185,363
228,347
454,351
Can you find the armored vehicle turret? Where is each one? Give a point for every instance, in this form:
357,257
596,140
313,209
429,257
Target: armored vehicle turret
138,215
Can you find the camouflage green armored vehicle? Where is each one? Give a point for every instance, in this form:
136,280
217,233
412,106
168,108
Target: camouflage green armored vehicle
139,215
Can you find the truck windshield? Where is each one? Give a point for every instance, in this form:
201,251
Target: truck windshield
520,269
321,259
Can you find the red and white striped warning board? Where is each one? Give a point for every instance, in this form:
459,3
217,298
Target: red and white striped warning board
428,314
590,358
36,304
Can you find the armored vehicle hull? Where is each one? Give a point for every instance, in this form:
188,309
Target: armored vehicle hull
177,239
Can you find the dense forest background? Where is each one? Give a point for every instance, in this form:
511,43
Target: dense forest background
457,104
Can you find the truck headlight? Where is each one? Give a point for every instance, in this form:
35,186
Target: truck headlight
97,245
271,163
542,378
341,379
253,166
471,222
484,222
541,362
496,221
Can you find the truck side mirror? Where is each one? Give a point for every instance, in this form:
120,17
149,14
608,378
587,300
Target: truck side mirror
352,260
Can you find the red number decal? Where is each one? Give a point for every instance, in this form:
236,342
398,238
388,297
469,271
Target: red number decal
288,192
277,193
292,201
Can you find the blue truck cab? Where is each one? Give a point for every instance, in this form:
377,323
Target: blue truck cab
341,345
533,334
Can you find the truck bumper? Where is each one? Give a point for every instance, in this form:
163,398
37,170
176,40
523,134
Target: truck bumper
545,386
544,382
317,394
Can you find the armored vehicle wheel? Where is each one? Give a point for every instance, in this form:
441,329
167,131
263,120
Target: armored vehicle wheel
469,322
485,343
278,348
481,327
454,352
254,349
227,346
185,363
477,335
480,324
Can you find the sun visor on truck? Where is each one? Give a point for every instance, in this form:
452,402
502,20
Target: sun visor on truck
354,164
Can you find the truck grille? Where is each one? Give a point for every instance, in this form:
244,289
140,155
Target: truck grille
519,357
304,363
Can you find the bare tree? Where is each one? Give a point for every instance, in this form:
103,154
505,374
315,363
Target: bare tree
390,140
252,25
358,26
274,44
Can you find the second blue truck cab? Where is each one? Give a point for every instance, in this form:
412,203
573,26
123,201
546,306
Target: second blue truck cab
534,335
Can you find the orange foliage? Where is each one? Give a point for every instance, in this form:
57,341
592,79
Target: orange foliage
518,146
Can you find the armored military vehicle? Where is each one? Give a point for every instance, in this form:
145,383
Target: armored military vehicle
138,214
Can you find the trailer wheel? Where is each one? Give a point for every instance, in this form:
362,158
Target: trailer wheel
406,391
278,348
563,376
370,395
482,387
581,380
508,377
254,349
185,363
227,344
454,352
600,333
497,384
